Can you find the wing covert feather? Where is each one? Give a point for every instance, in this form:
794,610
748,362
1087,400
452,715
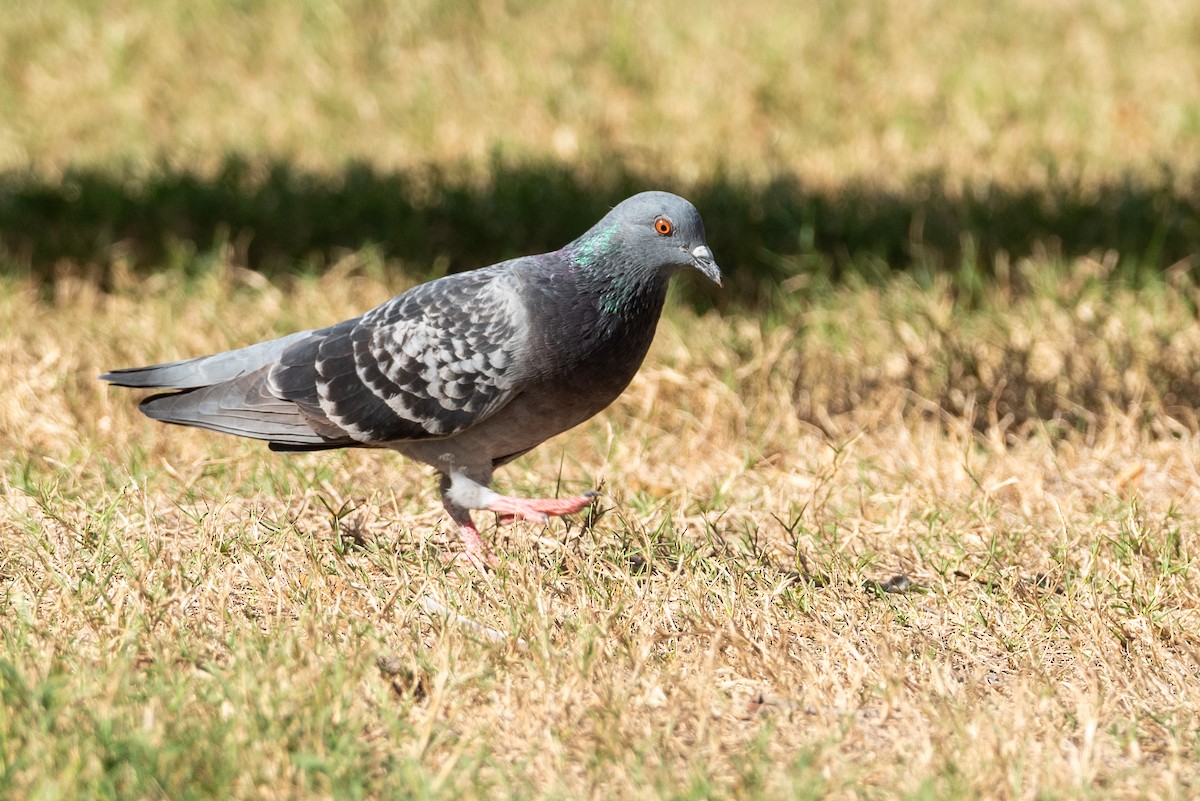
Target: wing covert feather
429,363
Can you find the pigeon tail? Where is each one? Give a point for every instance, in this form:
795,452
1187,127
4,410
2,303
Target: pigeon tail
242,407
204,371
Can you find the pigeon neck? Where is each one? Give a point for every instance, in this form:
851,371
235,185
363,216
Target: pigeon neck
625,289
629,294
594,246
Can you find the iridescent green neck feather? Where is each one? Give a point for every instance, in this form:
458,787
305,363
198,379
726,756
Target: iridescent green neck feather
596,244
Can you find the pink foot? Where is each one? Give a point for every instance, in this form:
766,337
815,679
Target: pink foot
539,510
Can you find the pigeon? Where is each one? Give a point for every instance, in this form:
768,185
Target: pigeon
464,373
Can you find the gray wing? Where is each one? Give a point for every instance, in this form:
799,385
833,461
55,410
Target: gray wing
432,362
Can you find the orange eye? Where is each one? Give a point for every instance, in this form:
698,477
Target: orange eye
663,226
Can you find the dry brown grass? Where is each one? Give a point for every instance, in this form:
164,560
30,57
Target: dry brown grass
188,615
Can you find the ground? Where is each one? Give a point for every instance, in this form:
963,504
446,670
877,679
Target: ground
887,600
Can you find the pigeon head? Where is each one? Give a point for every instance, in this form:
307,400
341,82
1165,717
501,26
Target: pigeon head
656,231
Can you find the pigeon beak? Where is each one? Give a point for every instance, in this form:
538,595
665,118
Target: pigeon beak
702,260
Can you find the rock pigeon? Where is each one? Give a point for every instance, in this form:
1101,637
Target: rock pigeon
463,373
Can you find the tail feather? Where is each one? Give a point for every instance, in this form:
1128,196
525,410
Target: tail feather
204,371
244,407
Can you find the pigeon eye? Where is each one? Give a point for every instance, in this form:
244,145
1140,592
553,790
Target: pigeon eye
663,226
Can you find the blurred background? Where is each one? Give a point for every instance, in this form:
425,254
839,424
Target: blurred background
819,139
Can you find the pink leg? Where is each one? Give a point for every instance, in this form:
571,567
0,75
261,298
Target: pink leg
475,550
539,510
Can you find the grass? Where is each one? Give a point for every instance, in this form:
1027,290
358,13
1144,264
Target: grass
907,511
856,584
